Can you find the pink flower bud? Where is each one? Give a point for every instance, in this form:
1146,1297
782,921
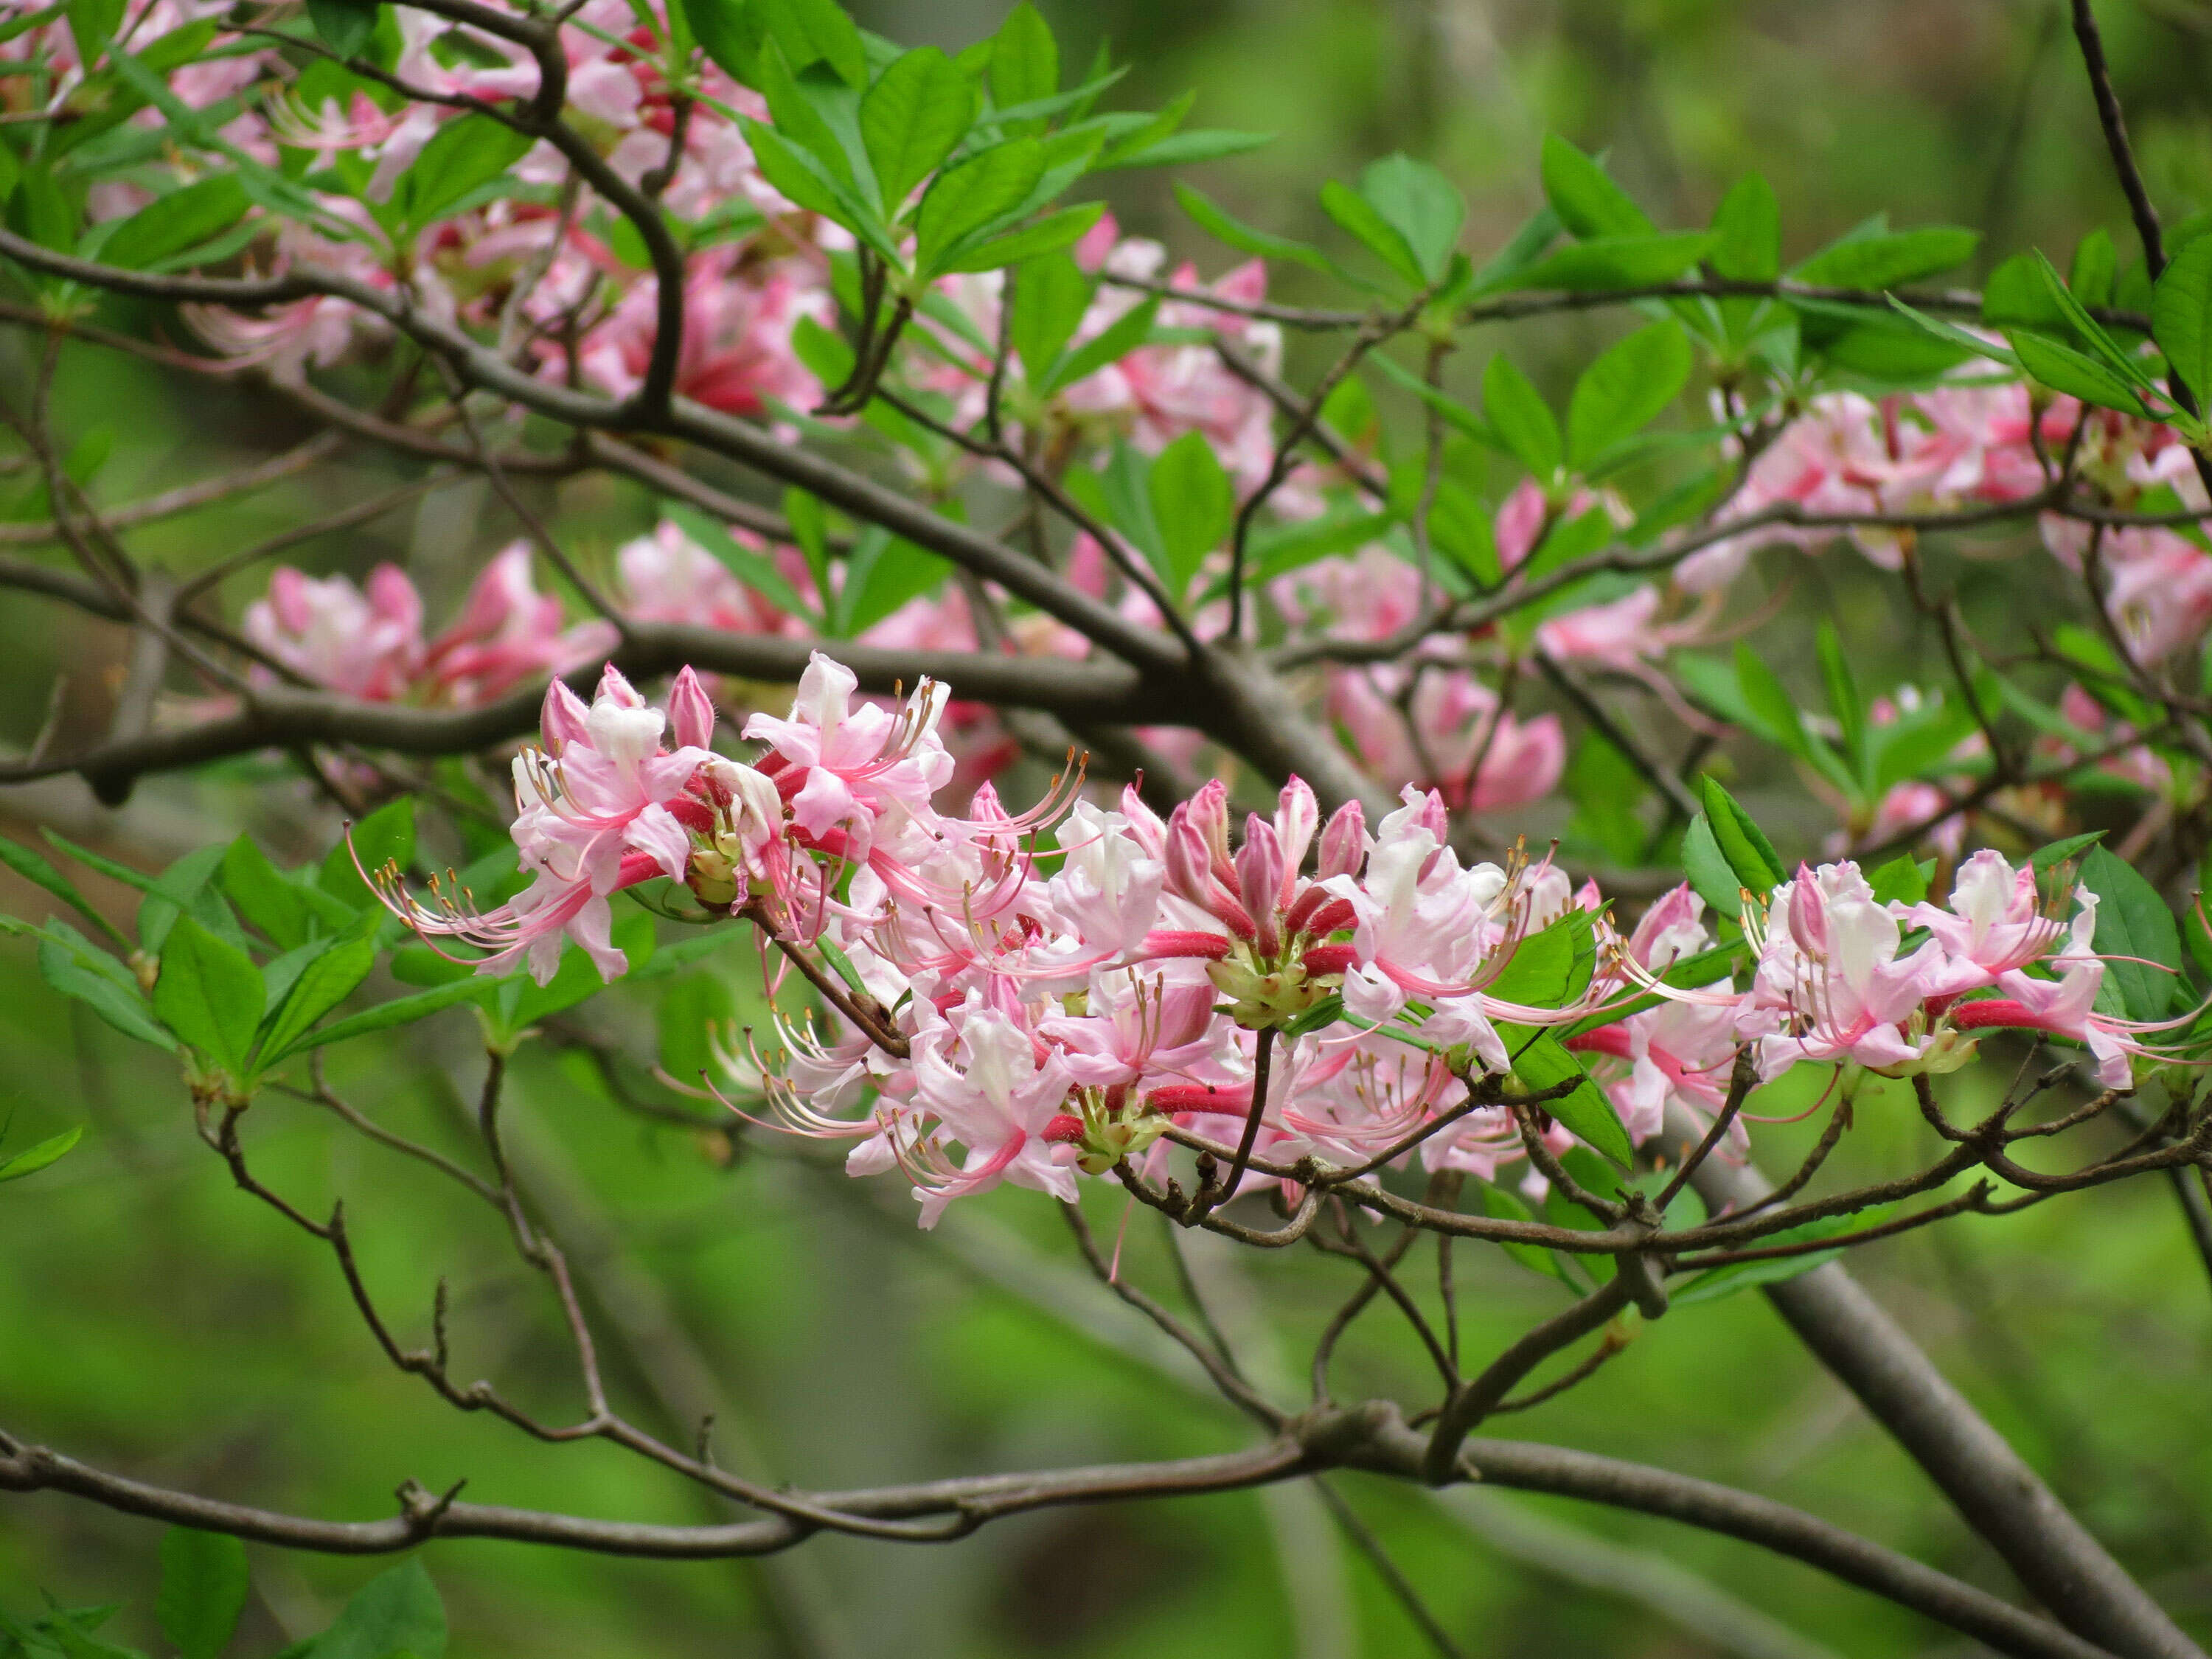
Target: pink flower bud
690,712
1343,842
1209,811
1259,877
562,721
1065,1130
617,690
1297,815
1808,914
1326,959
1190,864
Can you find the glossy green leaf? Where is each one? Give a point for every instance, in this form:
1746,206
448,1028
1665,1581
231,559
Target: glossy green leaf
1025,60
2181,314
917,111
76,968
815,31
1193,503
1588,203
326,980
1211,218
883,573
1625,389
1521,418
2055,852
401,1011
2096,262
2136,935
265,895
1885,260
210,994
1616,262
346,26
2076,373
1748,232
1541,1063
1423,206
396,1611
385,836
750,566
40,872
1742,842
975,195
1110,345
175,223
1551,967
1050,235
1051,294
1903,880
1359,219
30,1161
731,32
203,1590
461,158
1184,149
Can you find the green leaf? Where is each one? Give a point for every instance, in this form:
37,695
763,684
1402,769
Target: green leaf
1588,203
1193,503
175,223
917,111
264,895
1606,789
1521,418
1708,869
1049,234
1051,294
1777,714
1625,389
974,196
1748,232
1218,224
76,968
210,994
185,889
2057,852
32,1159
2125,364
1025,60
40,873
1183,148
2181,314
2015,295
731,32
1359,219
1715,1283
2095,263
1110,344
882,573
385,836
2064,370
811,32
346,26
461,158
2133,922
1502,1205
323,983
1742,842
396,1610
92,25
1421,205
1541,1063
203,1590
1843,700
1550,967
1901,881
1884,261
757,570
1615,262
401,1011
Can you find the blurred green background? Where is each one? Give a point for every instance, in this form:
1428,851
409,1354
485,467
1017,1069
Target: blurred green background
154,1319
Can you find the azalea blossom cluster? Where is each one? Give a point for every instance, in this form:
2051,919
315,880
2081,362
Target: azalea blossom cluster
993,1010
